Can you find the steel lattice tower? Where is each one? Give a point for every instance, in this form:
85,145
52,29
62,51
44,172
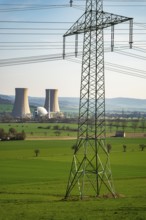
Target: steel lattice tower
90,173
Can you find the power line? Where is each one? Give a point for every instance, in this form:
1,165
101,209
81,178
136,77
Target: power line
37,22
33,59
30,7
114,0
126,68
120,69
131,55
24,33
125,72
32,29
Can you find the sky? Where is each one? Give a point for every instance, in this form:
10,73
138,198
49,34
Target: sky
65,75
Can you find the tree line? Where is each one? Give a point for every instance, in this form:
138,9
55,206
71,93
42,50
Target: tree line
109,147
12,134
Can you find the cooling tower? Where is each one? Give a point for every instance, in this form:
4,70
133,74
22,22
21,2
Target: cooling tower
21,105
51,101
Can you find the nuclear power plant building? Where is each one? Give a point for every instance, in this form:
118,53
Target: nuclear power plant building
21,105
51,100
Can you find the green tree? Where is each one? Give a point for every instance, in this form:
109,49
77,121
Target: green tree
117,123
109,147
124,124
56,127
142,147
12,131
110,124
124,148
20,136
2,133
37,152
74,146
57,133
134,125
143,124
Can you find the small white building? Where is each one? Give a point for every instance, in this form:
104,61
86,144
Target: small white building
120,134
40,112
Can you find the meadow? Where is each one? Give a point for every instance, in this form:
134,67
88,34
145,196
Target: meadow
34,187
47,130
35,130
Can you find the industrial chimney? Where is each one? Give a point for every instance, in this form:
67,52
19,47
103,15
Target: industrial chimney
21,105
51,101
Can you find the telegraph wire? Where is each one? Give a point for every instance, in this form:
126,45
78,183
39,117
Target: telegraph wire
30,7
25,33
119,69
53,22
44,29
126,68
140,49
33,59
57,45
109,66
37,22
125,72
132,55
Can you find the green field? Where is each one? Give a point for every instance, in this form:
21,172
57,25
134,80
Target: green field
33,187
33,130
48,130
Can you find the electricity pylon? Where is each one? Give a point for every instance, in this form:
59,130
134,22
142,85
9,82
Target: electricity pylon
90,173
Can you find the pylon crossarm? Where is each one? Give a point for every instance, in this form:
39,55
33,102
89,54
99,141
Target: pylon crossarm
79,24
110,19
105,20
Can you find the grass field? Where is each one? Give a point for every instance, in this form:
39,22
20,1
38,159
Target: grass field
42,129
33,187
48,130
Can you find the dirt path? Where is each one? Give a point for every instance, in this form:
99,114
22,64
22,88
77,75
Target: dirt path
50,138
128,135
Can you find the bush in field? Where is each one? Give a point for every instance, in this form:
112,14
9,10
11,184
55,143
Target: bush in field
57,133
20,136
75,147
142,147
55,127
36,151
12,131
124,148
109,147
48,127
2,133
12,135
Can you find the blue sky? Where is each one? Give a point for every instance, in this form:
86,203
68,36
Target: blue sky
64,75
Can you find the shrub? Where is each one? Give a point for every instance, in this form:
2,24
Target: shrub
36,151
12,135
142,147
109,147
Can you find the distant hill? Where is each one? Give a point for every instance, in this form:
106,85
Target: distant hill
112,104
5,101
72,103
126,104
